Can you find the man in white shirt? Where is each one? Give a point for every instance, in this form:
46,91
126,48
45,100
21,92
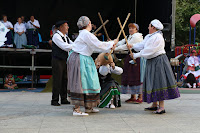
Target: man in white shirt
61,44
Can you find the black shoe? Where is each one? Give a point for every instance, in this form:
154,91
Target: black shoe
151,108
65,102
159,112
53,103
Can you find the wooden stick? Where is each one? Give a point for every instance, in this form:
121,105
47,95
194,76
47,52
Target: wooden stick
101,26
123,24
122,28
125,38
107,54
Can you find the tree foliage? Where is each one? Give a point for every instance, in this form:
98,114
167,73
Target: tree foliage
184,10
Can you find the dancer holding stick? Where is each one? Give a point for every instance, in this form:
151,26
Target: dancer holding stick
159,81
131,82
125,39
83,81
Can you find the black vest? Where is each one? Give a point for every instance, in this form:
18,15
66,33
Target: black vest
58,52
103,79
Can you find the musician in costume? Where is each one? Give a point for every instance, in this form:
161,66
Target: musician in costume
32,31
83,81
20,36
61,44
131,82
9,34
159,82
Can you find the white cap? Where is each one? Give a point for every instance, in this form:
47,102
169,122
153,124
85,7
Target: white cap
157,24
137,26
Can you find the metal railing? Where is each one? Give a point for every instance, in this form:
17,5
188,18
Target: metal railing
32,67
33,52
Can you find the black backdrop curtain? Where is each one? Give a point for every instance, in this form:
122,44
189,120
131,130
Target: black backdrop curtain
50,11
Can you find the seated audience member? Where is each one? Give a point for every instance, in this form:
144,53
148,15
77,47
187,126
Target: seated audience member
20,36
52,31
23,20
9,34
10,82
99,34
193,70
191,81
32,31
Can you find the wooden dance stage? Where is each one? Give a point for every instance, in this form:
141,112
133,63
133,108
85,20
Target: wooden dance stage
33,62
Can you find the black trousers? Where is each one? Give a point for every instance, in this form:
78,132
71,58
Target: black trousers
59,71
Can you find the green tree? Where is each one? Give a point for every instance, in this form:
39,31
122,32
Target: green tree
184,10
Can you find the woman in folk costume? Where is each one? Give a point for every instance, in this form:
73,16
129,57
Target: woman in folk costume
159,82
132,76
20,36
83,81
32,31
110,89
9,34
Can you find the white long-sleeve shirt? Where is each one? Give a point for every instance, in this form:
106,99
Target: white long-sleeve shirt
19,27
86,43
3,33
57,39
105,69
30,26
193,60
132,39
7,24
152,46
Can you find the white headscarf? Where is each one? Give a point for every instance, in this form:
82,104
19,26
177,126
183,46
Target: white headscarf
157,24
137,26
83,21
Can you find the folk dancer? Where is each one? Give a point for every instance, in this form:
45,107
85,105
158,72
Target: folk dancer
61,44
131,82
159,82
83,81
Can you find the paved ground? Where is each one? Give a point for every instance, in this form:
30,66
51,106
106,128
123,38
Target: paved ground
30,112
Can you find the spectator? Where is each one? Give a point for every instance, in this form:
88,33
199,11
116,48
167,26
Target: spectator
193,72
54,29
20,36
23,20
9,34
32,31
10,82
98,35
